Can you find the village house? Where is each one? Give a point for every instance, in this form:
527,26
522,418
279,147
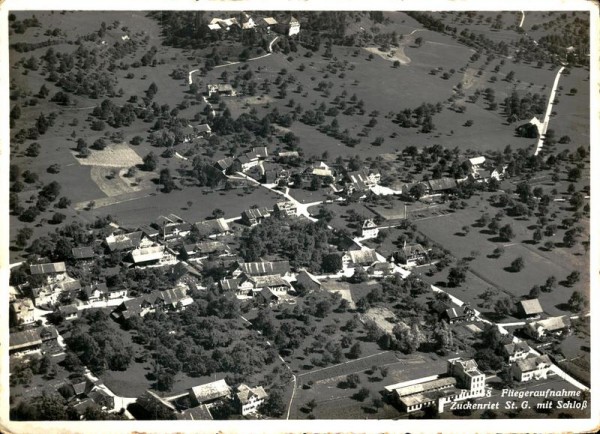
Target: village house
172,226
220,89
407,189
83,253
545,328
532,368
381,269
151,256
94,292
127,242
246,286
250,398
200,412
306,282
267,297
469,377
364,258
529,309
458,314
362,180
68,312
442,185
209,394
321,169
149,232
254,216
247,21
412,254
369,229
168,300
50,294
52,272
204,249
289,27
224,163
32,340
212,228
515,351
286,208
22,311
267,23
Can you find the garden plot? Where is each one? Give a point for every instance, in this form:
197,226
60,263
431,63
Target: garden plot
117,155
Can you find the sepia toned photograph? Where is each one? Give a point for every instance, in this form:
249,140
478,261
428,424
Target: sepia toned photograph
312,219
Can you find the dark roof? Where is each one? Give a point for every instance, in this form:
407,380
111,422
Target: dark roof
149,231
212,227
442,184
256,213
307,280
88,289
454,313
56,267
532,363
174,229
513,348
83,252
229,284
200,412
68,309
224,163
31,337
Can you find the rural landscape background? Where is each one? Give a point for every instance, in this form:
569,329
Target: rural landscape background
469,133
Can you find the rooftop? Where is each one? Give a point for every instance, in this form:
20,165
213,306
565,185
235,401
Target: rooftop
531,307
56,267
210,391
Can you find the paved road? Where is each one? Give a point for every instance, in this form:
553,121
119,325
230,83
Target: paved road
522,19
546,121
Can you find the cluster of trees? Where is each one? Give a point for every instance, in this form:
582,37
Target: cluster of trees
421,116
305,244
97,345
518,108
210,338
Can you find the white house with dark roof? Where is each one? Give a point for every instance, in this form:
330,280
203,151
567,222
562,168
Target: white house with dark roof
250,398
515,351
254,216
532,368
369,229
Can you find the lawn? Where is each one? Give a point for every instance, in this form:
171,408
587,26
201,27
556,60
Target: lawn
487,271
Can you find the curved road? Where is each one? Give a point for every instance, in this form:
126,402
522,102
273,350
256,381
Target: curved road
546,121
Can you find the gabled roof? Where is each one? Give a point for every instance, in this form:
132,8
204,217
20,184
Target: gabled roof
551,324
270,281
212,227
89,289
146,254
442,184
31,337
264,268
513,348
200,412
268,295
124,241
307,280
363,257
454,313
534,363
210,391
477,161
224,163
68,309
270,21
173,296
259,151
56,267
244,393
83,252
149,231
426,386
413,248
203,128
254,213
229,284
531,307
176,228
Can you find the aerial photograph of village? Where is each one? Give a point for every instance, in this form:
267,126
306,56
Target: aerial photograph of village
252,215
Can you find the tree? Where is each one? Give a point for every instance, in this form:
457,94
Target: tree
518,264
418,190
331,263
355,351
352,381
33,150
419,41
362,394
573,278
150,162
576,302
550,284
537,235
274,405
458,275
506,232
